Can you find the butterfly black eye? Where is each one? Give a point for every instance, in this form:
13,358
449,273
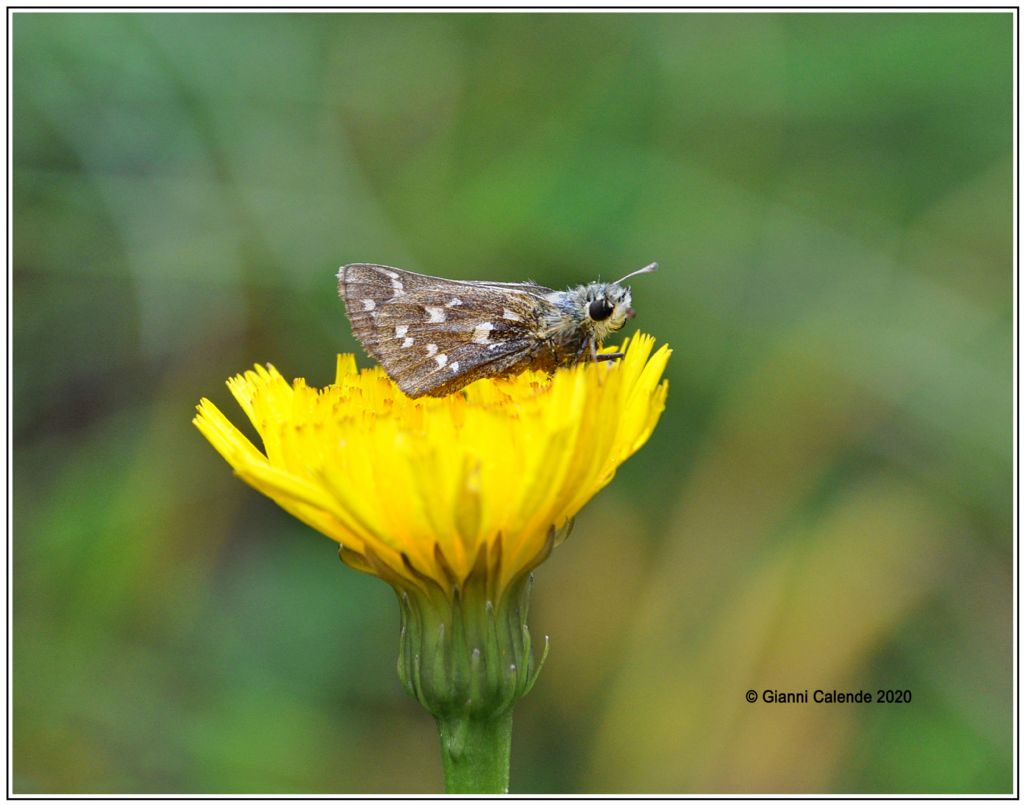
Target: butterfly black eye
600,309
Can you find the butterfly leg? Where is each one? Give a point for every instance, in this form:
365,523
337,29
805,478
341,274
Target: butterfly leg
608,356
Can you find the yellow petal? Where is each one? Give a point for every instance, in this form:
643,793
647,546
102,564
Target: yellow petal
417,489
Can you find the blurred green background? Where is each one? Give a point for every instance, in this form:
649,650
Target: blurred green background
827,502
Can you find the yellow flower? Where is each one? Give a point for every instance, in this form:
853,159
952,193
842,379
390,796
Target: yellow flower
452,501
429,488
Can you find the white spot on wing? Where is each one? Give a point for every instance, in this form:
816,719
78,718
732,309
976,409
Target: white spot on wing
407,343
454,303
392,274
368,304
455,366
401,330
511,315
397,286
431,349
435,315
482,333
441,359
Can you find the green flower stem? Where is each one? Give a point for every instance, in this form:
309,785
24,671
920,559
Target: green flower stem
475,753
466,654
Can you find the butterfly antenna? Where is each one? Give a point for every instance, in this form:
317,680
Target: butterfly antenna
648,269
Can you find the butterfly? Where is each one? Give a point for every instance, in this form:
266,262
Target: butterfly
434,336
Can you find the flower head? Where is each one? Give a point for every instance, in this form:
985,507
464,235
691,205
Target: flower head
451,500
442,488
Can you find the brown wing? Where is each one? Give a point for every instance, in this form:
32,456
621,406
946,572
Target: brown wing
433,335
